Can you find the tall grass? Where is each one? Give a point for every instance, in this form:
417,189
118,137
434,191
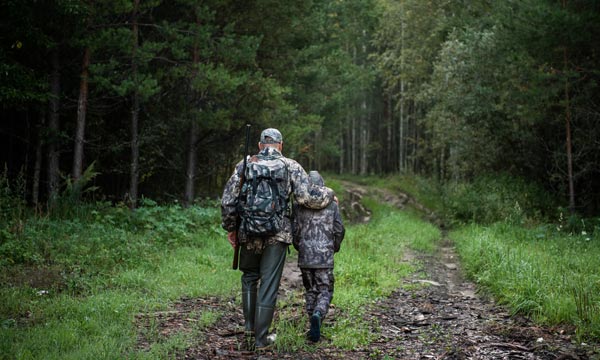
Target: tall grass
491,198
550,275
105,267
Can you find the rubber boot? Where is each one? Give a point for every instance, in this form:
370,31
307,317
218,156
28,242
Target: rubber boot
249,307
314,334
264,317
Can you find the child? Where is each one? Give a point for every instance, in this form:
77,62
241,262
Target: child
317,235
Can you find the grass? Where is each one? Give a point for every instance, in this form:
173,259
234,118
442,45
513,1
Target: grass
109,271
427,191
72,285
368,267
547,274
100,325
107,265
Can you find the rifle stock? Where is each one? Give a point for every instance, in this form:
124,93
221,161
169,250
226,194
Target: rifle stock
236,254
236,248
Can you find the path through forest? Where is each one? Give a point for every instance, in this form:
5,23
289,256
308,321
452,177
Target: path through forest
438,315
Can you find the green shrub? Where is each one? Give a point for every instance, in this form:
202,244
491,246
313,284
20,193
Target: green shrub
489,199
12,215
100,237
575,224
12,194
69,202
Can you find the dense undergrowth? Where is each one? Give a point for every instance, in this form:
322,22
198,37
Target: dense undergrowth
71,287
74,279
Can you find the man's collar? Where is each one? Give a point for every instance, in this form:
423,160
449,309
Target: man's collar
270,151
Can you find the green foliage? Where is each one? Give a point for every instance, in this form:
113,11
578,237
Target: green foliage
101,238
12,204
572,223
104,263
96,271
489,199
333,182
492,85
539,271
13,212
19,84
372,86
69,202
428,191
21,77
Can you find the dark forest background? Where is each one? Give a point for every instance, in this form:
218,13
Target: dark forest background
121,100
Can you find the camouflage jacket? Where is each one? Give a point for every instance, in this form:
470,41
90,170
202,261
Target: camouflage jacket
298,183
317,235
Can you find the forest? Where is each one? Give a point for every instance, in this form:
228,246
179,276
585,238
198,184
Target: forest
121,100
461,138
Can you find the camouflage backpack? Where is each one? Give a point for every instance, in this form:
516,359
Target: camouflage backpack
262,204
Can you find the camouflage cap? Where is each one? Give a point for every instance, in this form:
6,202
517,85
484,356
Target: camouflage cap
316,178
273,134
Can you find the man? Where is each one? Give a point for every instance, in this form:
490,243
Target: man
317,235
262,257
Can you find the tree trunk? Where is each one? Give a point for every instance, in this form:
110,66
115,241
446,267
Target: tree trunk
401,149
568,127
190,178
135,111
191,165
25,166
442,169
415,156
387,115
37,168
54,127
317,150
135,153
353,146
342,149
568,137
363,138
81,117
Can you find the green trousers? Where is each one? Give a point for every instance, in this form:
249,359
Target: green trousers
261,276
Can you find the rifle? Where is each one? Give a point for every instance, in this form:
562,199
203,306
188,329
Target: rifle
236,248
